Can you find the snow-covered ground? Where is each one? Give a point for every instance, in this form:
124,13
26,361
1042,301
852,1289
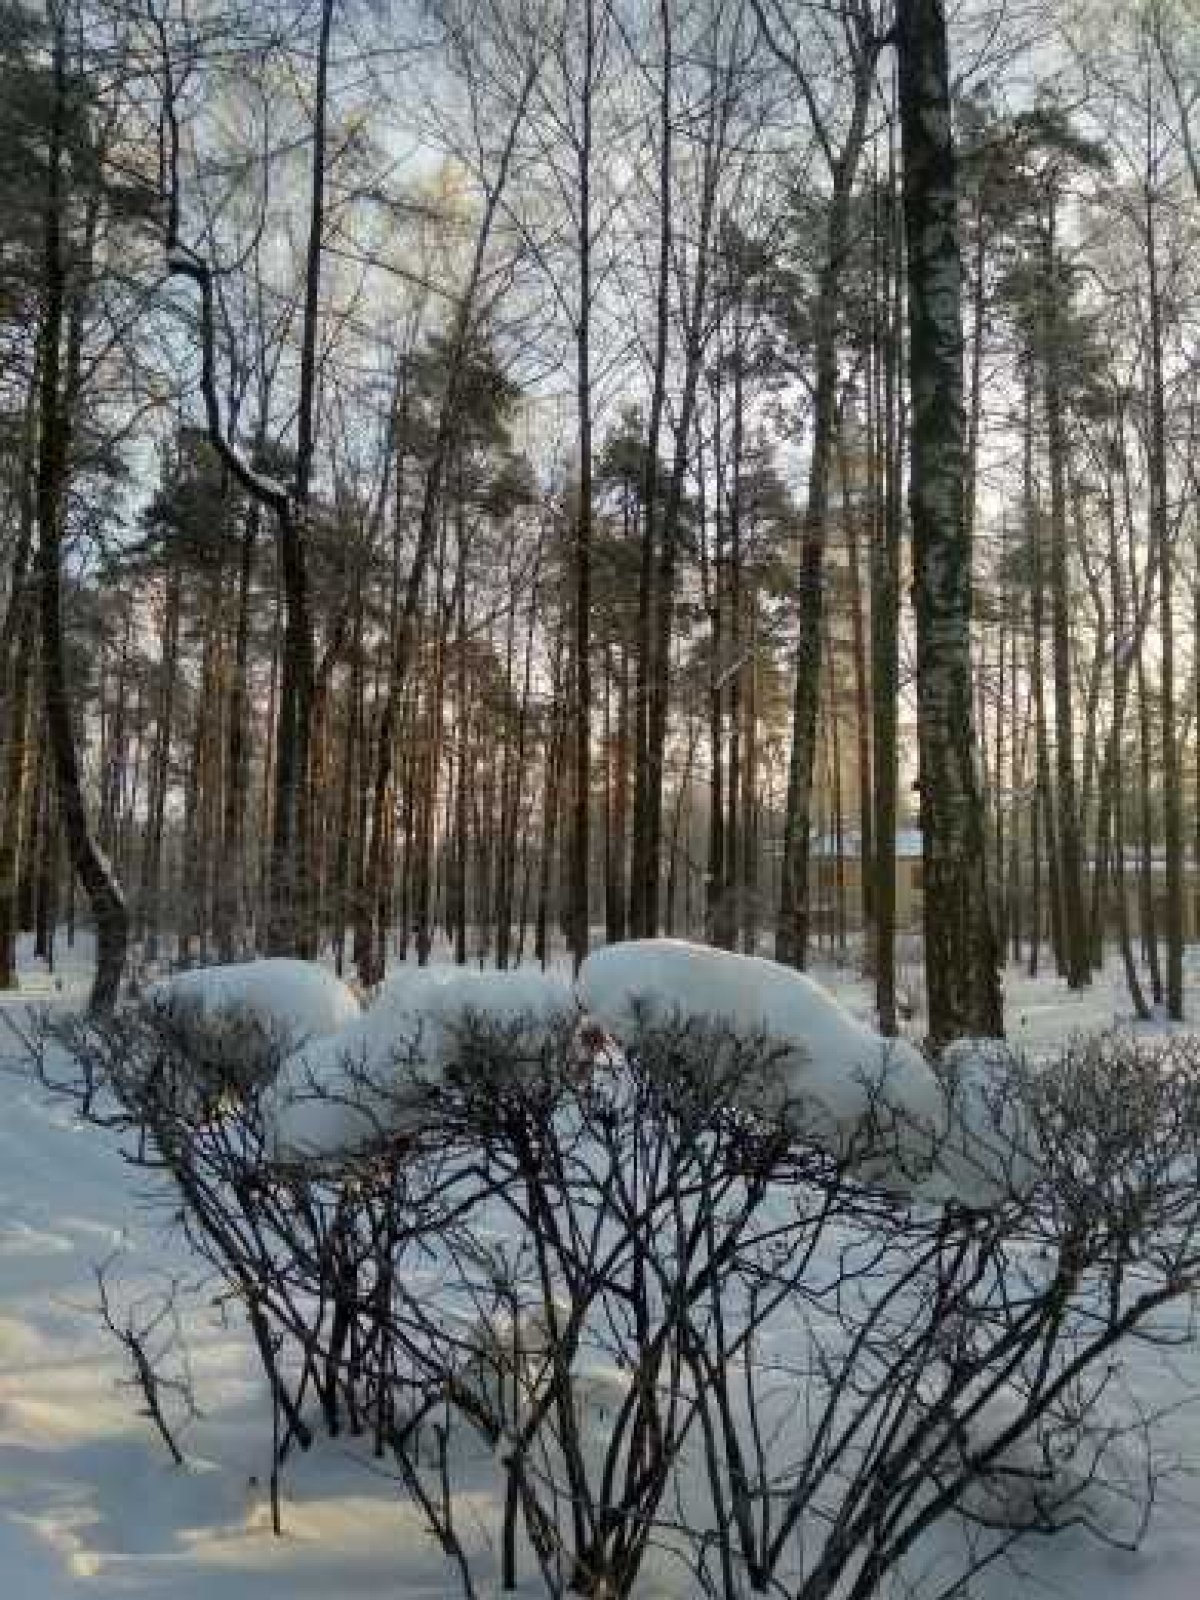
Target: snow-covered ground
90,1504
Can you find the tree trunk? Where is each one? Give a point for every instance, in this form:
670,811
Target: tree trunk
653,769
1160,541
960,951
1047,832
862,696
53,467
233,912
791,938
885,602
457,910
731,897
1070,855
643,886
371,937
578,874
17,661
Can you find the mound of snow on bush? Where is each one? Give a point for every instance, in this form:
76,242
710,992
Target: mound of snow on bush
825,1062
376,1074
299,998
824,1073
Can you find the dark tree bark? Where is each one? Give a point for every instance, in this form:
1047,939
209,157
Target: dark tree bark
1160,536
791,939
852,513
1127,645
578,873
960,948
885,597
732,897
711,575
553,762
456,911
1070,854
17,662
232,907
643,866
1046,832
53,468
290,920
149,906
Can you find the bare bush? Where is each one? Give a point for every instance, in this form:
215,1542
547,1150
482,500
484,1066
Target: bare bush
688,1334
147,1327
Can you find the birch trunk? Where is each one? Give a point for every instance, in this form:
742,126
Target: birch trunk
960,950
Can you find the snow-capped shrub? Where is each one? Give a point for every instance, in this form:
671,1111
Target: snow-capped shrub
681,1315
301,998
380,1075
238,1021
821,1073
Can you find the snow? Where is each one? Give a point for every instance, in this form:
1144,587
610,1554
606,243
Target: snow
89,1502
378,1072
296,1000
988,1152
508,1365
1050,1476
824,1074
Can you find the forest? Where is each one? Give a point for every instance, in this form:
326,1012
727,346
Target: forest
599,799
505,476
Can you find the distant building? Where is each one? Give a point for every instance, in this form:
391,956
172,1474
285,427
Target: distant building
836,883
836,889
1133,882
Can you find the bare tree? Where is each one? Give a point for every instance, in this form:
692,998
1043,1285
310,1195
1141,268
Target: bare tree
862,42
